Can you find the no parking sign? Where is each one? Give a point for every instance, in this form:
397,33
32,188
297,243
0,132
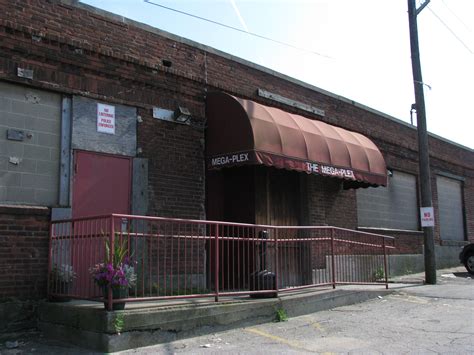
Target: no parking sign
427,216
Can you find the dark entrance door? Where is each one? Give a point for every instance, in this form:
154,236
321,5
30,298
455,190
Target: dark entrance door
277,197
278,202
261,195
255,194
101,184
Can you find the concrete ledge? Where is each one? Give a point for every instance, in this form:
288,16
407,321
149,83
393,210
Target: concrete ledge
24,210
87,324
402,264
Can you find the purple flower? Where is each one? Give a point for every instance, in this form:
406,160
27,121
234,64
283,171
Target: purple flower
122,275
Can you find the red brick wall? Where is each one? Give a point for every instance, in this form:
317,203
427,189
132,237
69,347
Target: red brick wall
24,241
329,204
406,242
176,167
124,65
316,200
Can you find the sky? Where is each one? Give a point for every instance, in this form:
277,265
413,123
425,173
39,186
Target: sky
356,49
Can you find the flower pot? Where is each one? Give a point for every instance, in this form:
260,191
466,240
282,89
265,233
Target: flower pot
60,287
117,293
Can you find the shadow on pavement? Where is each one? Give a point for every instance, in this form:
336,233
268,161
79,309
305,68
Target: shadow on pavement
463,274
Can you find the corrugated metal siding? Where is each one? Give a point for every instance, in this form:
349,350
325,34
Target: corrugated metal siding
394,206
450,207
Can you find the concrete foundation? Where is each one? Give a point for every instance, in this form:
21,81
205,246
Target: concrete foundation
87,324
446,256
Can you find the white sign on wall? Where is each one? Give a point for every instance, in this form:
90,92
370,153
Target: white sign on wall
427,216
105,118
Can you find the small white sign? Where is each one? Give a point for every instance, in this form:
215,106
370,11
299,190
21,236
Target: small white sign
162,114
106,119
427,216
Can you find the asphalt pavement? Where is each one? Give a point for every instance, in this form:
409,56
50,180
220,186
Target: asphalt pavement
416,319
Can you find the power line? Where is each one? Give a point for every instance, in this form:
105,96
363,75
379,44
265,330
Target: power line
457,17
238,29
450,30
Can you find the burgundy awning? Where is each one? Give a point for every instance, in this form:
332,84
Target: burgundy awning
242,132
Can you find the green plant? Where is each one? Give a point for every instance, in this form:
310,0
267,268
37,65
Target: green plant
118,272
281,315
61,278
62,273
119,323
120,250
379,274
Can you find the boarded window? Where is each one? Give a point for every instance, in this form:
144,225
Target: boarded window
30,122
85,134
451,221
394,206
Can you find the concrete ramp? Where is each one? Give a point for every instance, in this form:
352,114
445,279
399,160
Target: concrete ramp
88,325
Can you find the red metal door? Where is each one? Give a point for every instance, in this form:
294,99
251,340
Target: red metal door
102,184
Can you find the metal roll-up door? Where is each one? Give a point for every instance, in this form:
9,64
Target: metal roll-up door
450,208
393,207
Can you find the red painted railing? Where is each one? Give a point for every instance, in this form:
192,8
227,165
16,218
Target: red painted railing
176,258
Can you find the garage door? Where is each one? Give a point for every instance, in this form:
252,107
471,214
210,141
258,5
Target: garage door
450,207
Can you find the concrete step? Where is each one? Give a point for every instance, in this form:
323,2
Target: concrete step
87,324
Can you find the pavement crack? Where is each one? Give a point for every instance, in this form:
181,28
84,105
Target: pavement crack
440,331
468,336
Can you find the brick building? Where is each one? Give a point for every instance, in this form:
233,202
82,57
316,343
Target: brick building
122,118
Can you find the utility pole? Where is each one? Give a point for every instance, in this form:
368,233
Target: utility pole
423,152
